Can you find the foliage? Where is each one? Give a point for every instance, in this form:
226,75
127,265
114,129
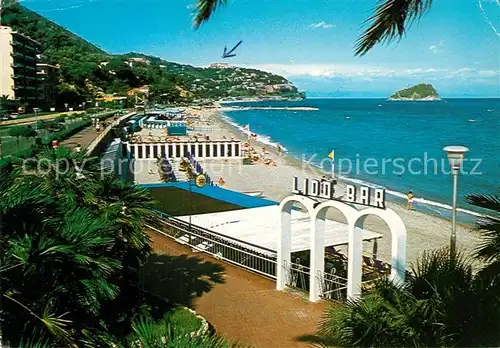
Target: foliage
420,91
443,302
149,335
70,248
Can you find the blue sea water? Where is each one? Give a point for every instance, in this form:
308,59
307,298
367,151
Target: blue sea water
397,145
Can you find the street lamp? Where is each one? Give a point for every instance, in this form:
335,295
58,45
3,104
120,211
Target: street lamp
456,158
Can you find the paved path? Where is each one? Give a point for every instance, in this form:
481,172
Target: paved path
86,136
247,308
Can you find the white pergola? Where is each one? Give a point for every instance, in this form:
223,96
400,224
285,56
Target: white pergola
260,226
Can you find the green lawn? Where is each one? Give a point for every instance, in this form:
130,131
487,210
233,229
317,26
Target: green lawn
175,201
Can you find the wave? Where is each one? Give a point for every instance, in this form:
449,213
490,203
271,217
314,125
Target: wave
264,139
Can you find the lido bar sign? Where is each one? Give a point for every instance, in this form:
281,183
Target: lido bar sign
363,195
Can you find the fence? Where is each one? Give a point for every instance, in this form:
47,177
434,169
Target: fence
250,256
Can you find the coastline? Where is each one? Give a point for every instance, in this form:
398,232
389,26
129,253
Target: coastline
425,231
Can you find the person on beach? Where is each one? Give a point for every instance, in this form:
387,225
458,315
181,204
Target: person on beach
410,201
221,182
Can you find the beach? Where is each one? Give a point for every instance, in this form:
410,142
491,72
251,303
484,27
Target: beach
424,232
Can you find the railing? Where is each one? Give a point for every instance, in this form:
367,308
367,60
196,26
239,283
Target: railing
105,131
247,255
297,275
333,287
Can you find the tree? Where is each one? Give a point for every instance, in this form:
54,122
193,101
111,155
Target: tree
389,21
489,227
69,247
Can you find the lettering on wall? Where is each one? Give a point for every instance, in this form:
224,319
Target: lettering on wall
363,195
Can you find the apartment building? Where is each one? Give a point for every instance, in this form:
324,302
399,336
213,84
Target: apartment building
18,71
47,78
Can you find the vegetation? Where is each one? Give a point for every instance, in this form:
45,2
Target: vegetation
87,72
76,267
444,301
422,91
389,20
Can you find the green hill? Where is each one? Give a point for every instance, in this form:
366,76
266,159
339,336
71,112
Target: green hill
422,91
87,72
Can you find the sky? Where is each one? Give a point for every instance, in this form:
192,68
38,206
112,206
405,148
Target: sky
455,46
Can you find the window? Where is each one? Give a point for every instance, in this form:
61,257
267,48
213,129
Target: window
186,150
163,151
132,151
200,150
170,151
207,150
222,148
155,151
177,151
229,150
236,149
148,151
193,150
139,151
214,152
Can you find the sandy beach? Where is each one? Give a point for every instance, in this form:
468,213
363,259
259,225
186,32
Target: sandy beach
425,232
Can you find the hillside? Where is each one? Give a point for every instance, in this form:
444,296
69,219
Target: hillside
88,72
422,91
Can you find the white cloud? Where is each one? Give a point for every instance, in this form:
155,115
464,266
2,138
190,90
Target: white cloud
372,72
323,25
437,47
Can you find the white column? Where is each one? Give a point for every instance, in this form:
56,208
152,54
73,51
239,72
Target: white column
284,246
143,151
317,235
182,150
354,263
128,150
221,154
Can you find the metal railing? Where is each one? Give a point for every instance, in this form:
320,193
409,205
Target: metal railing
297,275
247,255
333,287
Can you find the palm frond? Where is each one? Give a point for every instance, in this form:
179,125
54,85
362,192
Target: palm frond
205,9
490,202
390,20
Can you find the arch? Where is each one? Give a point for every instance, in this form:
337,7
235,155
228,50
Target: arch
318,242
398,248
285,229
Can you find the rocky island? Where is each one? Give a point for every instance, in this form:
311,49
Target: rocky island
420,92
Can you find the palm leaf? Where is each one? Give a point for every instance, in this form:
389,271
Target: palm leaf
206,8
390,20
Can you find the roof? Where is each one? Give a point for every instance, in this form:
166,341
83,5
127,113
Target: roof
260,226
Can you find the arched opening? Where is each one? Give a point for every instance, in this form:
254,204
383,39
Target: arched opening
385,257
287,271
329,252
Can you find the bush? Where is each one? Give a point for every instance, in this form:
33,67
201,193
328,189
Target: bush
442,303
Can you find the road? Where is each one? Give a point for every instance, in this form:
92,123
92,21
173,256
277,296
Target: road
34,119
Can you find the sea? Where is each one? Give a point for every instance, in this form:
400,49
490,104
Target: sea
397,145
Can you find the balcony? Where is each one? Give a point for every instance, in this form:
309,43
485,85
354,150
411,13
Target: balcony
17,76
30,67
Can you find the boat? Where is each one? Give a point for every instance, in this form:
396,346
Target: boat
472,121
347,117
253,193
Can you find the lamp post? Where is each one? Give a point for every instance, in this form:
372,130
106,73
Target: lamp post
455,157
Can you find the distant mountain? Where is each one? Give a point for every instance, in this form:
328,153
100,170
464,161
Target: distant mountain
88,72
422,91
